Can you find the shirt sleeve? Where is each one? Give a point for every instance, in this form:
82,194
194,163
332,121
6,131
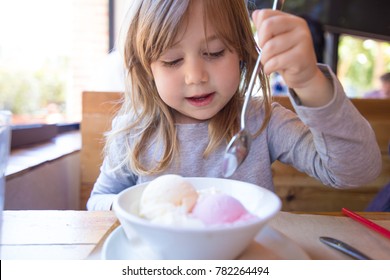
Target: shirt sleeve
109,183
332,143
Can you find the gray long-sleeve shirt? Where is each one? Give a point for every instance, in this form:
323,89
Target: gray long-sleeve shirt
333,143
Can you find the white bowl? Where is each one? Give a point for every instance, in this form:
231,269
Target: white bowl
215,242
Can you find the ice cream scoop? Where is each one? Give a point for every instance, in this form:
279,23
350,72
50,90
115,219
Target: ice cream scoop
219,208
167,195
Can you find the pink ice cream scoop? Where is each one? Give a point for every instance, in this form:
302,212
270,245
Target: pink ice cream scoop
216,209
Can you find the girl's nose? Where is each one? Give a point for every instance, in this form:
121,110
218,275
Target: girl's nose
195,72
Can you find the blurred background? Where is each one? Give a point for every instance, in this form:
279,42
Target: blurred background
52,50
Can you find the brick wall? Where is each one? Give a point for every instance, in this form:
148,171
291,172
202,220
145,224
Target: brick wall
90,36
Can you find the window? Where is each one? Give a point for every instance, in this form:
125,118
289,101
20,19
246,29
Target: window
361,61
357,39
49,53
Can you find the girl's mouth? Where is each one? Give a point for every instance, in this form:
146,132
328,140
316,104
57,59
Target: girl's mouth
202,100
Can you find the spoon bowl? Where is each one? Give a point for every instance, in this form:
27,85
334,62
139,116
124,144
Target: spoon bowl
236,152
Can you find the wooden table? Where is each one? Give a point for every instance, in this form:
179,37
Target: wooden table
80,234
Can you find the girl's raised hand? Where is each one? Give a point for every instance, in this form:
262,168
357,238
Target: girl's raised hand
287,48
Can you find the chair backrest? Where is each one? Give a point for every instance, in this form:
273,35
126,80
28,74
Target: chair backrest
98,109
299,192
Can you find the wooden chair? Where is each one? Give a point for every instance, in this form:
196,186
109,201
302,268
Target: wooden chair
298,191
98,109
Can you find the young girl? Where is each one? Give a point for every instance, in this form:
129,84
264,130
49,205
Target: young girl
189,62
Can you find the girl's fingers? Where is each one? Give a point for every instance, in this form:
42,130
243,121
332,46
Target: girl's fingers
282,63
294,72
271,23
278,46
286,46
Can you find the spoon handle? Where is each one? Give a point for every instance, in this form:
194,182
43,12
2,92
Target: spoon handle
344,247
277,5
248,93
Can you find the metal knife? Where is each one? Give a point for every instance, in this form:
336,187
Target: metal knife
344,247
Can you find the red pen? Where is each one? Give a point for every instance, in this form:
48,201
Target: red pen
366,222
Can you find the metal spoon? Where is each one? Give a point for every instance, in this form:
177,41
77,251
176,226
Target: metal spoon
344,247
239,145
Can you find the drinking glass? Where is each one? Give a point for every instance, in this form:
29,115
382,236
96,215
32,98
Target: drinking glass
5,137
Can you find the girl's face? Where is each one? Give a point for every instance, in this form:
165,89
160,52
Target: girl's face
198,75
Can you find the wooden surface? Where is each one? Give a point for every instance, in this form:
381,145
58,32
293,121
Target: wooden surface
81,234
24,159
305,230
98,109
45,234
298,191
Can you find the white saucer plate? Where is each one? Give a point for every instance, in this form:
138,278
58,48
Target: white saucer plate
269,244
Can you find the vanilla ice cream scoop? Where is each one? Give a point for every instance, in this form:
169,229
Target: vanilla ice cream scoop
167,195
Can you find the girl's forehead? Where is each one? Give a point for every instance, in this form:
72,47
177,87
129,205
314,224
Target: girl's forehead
195,23
214,21
204,41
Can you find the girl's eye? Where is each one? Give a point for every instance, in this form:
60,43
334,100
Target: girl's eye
172,63
212,55
207,55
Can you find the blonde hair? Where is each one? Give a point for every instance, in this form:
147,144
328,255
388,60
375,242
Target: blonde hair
153,27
